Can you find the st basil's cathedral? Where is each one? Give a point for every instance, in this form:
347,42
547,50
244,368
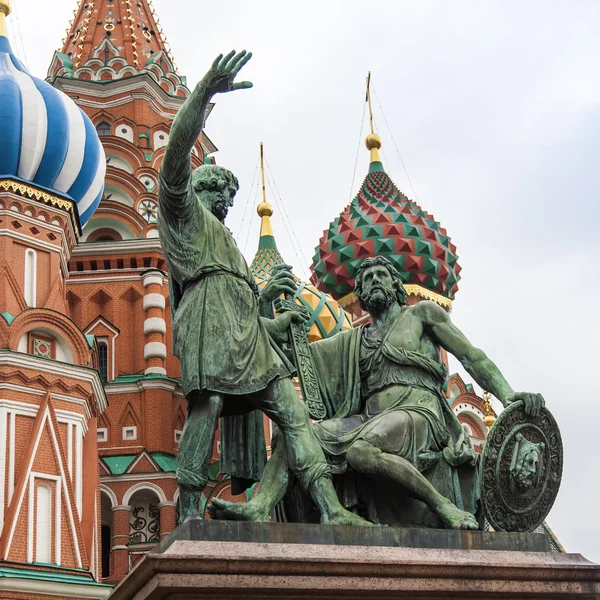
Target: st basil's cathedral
91,408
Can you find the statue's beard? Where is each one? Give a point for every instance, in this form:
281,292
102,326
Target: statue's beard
220,210
380,302
220,206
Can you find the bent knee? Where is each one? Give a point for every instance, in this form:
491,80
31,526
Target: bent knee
360,452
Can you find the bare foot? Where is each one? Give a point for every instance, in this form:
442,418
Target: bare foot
236,511
345,517
454,518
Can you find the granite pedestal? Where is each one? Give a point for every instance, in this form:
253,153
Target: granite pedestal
226,559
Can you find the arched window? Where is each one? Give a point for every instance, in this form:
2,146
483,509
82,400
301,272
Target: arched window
106,533
43,537
30,276
103,128
103,359
144,523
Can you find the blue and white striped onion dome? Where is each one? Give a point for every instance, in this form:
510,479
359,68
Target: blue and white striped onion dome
46,139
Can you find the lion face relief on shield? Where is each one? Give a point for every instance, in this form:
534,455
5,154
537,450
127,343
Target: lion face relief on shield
526,465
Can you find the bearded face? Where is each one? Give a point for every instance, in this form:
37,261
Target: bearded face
220,202
378,292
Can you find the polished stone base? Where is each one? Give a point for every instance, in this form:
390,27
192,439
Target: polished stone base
205,559
340,535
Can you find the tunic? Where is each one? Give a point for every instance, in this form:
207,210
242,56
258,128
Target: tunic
356,369
410,423
217,334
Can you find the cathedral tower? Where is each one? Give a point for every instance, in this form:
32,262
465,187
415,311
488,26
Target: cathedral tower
116,65
51,179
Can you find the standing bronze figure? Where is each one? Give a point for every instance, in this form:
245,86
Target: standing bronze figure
230,361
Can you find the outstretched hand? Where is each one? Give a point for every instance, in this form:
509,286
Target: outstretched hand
532,403
220,77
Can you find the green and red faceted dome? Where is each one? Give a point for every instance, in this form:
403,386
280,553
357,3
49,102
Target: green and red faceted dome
381,220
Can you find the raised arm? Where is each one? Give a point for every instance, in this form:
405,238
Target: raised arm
189,122
437,322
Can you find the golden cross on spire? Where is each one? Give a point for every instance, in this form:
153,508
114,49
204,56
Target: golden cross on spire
368,100
373,141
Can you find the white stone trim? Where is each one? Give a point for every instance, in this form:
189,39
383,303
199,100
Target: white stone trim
155,325
111,495
70,449
11,454
154,301
167,503
153,278
82,403
121,507
66,416
74,277
137,460
102,432
78,469
57,515
101,321
144,384
117,247
79,372
33,587
151,91
155,371
46,418
23,389
135,477
132,429
3,436
30,277
155,350
144,485
29,240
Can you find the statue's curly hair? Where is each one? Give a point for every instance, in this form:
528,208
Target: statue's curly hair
213,178
396,277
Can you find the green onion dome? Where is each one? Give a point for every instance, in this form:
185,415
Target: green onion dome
381,220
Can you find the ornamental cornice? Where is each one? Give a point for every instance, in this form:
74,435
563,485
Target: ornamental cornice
33,193
87,375
105,89
118,247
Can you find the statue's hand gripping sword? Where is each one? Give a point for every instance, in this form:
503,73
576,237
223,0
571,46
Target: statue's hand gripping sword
302,357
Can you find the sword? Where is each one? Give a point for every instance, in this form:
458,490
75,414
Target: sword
306,372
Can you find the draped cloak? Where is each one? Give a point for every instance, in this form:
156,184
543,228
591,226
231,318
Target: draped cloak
218,335
442,450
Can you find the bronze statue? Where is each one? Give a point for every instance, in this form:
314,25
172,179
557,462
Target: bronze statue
387,416
230,361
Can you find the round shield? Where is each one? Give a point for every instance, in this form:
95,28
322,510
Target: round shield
521,469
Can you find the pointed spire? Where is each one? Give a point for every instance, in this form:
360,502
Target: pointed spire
267,256
373,141
264,209
5,10
101,27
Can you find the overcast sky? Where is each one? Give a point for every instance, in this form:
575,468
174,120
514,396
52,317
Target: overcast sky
495,110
